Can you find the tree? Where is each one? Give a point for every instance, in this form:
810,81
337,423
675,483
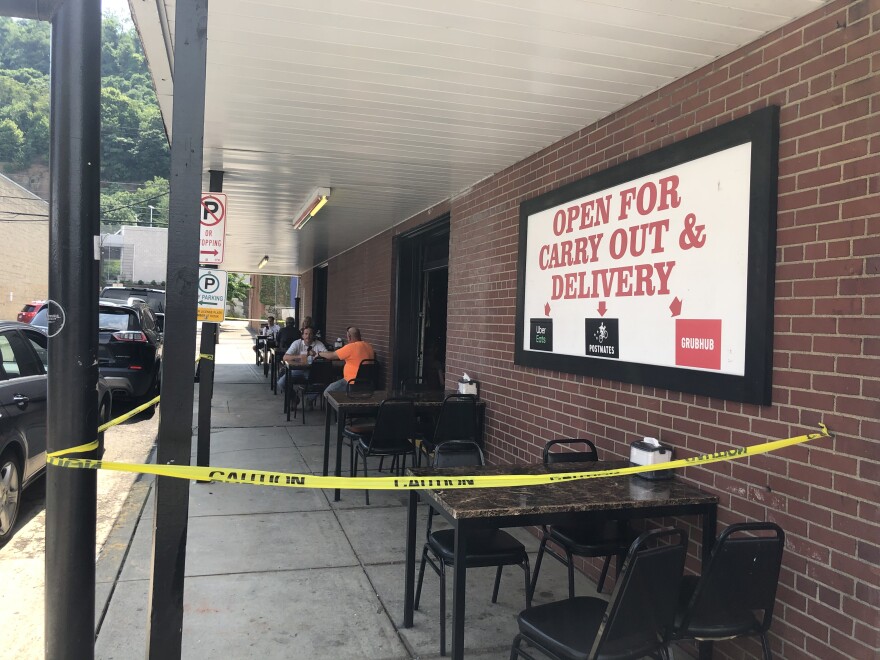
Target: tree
124,207
134,146
237,288
11,141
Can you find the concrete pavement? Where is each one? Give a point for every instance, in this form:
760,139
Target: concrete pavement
288,573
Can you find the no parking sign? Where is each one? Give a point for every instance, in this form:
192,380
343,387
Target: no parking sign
212,228
212,295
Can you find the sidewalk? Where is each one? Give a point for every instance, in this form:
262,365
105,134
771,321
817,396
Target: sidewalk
288,573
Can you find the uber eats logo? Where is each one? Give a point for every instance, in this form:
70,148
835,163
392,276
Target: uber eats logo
541,335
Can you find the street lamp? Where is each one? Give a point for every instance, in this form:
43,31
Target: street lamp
152,208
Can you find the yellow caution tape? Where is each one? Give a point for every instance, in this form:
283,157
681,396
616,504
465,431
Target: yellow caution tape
265,478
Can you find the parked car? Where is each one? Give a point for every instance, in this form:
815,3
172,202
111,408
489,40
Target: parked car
155,299
28,311
129,349
23,386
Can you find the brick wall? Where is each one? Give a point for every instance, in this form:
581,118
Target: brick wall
24,265
824,73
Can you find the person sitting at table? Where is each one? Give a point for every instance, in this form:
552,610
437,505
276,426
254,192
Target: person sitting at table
288,334
268,331
301,352
355,350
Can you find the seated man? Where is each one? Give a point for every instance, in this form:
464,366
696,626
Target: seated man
300,353
353,352
267,332
288,334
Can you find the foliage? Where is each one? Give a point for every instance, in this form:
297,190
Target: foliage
237,287
275,290
11,141
134,147
24,44
120,206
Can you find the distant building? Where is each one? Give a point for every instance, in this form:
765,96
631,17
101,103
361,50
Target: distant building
24,248
135,254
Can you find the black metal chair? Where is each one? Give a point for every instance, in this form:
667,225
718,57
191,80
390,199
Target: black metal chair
492,547
368,371
739,580
457,420
321,374
391,436
634,623
599,538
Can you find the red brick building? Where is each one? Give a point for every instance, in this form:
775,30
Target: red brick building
823,71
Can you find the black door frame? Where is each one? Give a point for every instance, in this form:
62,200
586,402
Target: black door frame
409,249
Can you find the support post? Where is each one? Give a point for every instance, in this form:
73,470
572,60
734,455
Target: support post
74,226
175,426
207,347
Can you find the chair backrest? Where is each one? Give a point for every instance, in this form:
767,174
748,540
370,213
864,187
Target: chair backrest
741,577
360,389
457,419
368,370
642,607
414,386
321,372
395,421
458,453
587,455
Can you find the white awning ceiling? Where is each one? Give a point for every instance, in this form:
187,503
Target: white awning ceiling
397,105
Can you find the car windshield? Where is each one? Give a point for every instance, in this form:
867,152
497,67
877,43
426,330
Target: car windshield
41,319
154,299
117,319
29,308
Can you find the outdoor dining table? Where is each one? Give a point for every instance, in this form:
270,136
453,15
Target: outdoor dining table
565,502
345,405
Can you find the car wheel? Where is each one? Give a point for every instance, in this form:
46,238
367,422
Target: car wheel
10,494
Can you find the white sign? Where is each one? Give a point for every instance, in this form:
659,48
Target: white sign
637,271
212,295
659,271
212,227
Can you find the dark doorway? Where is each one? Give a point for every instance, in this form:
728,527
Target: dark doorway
422,288
319,301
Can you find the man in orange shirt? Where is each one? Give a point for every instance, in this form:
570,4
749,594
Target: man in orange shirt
353,352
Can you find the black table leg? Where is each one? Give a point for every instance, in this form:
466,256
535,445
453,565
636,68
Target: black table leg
710,521
340,425
410,578
327,438
459,581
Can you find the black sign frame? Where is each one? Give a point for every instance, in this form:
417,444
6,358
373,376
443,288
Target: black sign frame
761,129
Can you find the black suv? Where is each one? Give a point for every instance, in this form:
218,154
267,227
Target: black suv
129,349
155,299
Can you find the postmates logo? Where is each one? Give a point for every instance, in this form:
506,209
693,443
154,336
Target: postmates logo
698,343
541,336
602,338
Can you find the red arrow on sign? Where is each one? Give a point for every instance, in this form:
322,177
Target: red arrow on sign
214,252
602,308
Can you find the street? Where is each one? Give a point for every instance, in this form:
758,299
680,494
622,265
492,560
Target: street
22,560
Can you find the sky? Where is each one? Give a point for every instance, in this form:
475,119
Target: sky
118,7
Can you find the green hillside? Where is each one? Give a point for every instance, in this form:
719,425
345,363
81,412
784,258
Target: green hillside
134,150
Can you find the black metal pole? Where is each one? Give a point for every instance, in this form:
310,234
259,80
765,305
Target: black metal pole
74,227
207,347
175,426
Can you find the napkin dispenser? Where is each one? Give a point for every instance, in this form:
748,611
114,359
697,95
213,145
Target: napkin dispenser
468,386
649,451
